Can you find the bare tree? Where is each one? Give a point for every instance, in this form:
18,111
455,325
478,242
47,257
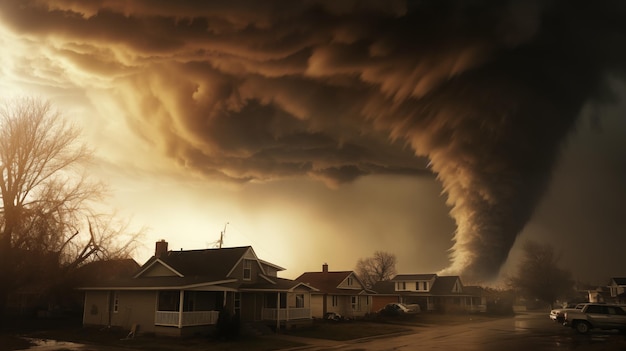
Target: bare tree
46,200
380,267
539,276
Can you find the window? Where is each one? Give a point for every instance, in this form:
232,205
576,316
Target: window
335,300
169,300
116,302
350,281
425,285
237,303
247,269
270,300
354,301
299,300
595,309
403,285
202,301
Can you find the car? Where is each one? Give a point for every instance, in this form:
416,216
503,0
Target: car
399,309
558,314
596,316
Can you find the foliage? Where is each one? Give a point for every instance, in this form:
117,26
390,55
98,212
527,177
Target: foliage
539,276
380,267
48,225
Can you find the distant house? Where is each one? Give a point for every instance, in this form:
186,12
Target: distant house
385,293
183,292
430,291
341,292
617,288
47,288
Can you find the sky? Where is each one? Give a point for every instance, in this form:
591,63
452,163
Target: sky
445,132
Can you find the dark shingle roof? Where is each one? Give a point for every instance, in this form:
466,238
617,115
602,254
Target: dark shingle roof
443,285
406,277
326,282
106,270
211,263
196,266
387,287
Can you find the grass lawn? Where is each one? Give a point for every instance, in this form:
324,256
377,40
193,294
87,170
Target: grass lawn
349,330
346,330
110,341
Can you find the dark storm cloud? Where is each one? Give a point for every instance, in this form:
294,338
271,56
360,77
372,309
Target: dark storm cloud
486,90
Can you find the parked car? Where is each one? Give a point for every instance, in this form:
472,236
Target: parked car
399,309
593,315
558,314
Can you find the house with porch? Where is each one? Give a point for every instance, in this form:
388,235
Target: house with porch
184,292
617,288
430,291
340,292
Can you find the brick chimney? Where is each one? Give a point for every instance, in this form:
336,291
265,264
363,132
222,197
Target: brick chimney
160,248
325,268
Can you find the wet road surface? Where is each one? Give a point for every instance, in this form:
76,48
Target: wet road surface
528,331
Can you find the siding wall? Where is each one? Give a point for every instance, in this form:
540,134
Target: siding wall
317,306
158,270
96,308
134,307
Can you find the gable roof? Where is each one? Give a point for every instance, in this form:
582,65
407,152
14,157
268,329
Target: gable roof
410,277
385,288
328,282
619,281
212,264
443,285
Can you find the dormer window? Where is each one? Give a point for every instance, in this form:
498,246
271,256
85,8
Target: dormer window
425,286
247,269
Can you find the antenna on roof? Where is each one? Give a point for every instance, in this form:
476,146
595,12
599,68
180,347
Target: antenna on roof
221,241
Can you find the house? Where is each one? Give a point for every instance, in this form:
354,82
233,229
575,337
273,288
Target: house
183,292
617,287
430,291
385,294
340,292
46,287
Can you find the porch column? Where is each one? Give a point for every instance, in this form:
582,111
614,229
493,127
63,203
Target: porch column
180,308
277,311
286,306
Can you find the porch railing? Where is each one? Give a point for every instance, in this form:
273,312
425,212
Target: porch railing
171,318
283,314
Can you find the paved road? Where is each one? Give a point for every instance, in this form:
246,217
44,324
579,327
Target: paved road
529,331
